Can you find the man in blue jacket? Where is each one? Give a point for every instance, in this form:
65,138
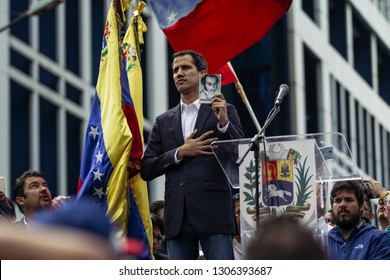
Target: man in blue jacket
353,238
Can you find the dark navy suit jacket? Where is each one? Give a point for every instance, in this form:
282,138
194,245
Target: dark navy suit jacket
196,183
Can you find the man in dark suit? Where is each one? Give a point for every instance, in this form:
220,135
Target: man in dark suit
198,205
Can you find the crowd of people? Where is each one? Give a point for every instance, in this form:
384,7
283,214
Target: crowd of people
51,228
351,236
54,228
199,217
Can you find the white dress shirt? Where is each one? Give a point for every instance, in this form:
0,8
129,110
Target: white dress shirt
189,113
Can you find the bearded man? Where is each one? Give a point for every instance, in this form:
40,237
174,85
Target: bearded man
353,238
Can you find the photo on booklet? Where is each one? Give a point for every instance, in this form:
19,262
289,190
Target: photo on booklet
208,86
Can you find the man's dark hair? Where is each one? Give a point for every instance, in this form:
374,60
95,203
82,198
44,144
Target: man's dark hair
284,238
156,205
354,186
203,79
199,60
157,222
18,188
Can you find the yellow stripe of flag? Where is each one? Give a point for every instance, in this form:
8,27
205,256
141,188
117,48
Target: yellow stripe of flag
131,44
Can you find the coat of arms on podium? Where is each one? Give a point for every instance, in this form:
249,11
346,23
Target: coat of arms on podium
286,185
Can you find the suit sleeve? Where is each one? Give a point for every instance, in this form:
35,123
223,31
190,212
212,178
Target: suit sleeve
234,130
155,161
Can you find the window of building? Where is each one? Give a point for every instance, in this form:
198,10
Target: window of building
72,40
254,70
47,29
364,148
383,71
48,140
358,127
73,93
74,149
385,166
311,89
343,112
337,26
20,132
347,128
310,8
98,21
48,78
21,62
362,49
19,30
372,149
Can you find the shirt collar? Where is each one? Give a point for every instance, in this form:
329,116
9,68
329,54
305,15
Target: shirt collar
28,226
196,103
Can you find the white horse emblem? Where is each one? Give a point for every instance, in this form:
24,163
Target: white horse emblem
274,192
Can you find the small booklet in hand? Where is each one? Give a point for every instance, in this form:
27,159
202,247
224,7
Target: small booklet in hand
208,86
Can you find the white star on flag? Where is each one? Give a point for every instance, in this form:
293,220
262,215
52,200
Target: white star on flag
172,17
94,132
99,157
98,175
99,192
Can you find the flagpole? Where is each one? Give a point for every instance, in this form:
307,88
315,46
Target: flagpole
241,91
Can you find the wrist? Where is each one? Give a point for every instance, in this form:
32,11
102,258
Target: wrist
223,124
179,154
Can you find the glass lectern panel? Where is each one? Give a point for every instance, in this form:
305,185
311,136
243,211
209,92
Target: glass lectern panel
295,173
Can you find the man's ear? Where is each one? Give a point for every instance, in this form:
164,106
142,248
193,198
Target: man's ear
19,200
202,73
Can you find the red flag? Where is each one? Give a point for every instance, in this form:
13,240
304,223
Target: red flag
228,75
218,29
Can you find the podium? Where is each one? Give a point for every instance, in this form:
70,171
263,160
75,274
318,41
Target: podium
295,173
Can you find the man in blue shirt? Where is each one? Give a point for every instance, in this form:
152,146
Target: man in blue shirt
353,238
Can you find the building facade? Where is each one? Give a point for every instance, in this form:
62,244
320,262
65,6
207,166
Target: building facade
334,55
339,56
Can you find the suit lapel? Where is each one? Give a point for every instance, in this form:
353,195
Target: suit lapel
175,120
203,115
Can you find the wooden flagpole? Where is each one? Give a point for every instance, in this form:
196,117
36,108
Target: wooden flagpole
241,91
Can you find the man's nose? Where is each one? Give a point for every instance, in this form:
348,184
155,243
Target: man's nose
343,202
179,72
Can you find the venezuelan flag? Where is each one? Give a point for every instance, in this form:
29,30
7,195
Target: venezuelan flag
131,49
113,143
